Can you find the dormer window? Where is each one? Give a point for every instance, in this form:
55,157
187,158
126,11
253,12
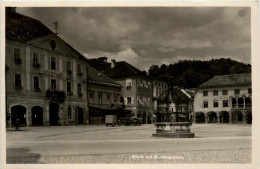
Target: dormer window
17,56
53,63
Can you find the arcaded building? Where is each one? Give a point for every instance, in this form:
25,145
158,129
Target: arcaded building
45,76
224,99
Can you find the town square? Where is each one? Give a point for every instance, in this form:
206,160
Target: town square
213,143
109,85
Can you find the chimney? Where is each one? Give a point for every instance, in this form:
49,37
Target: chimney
113,63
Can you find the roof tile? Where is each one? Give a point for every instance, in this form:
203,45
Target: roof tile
229,80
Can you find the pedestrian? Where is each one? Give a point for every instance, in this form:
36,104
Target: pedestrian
17,120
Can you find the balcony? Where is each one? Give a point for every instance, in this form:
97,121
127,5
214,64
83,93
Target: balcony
69,72
68,77
80,94
37,90
248,106
19,87
36,65
80,73
18,61
55,95
69,93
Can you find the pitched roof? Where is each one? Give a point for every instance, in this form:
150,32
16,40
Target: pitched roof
22,28
121,68
229,80
99,78
191,91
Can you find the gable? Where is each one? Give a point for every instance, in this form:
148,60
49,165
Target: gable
54,43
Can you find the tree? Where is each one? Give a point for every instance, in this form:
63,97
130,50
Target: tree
191,74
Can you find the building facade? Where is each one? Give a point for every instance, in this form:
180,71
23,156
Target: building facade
224,99
137,91
159,90
104,96
45,76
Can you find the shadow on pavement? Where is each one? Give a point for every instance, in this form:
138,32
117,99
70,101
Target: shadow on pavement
21,156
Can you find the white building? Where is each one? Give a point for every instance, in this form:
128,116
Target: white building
224,99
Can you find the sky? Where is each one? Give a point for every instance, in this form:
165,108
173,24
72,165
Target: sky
146,36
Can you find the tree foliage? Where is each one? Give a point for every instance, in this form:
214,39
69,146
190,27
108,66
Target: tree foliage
191,74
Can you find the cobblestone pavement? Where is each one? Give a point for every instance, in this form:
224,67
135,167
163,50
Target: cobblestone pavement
214,143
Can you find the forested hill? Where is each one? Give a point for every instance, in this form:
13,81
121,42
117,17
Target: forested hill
191,74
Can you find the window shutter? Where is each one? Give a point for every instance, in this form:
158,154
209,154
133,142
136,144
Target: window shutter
132,100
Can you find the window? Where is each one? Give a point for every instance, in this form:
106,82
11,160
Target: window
100,98
79,88
36,83
140,100
115,98
205,104
69,87
215,103
237,91
53,63
18,80
69,112
17,55
224,92
35,58
128,83
68,65
91,98
149,101
215,92
149,85
53,84
108,99
225,103
249,90
129,100
78,68
205,93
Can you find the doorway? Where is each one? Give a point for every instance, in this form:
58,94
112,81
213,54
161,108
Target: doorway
54,114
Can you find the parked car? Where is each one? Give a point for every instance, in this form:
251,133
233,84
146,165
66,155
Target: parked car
111,120
136,121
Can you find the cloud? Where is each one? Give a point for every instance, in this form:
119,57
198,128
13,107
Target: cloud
128,55
155,34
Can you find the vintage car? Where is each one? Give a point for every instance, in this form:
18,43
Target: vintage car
136,121
111,120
